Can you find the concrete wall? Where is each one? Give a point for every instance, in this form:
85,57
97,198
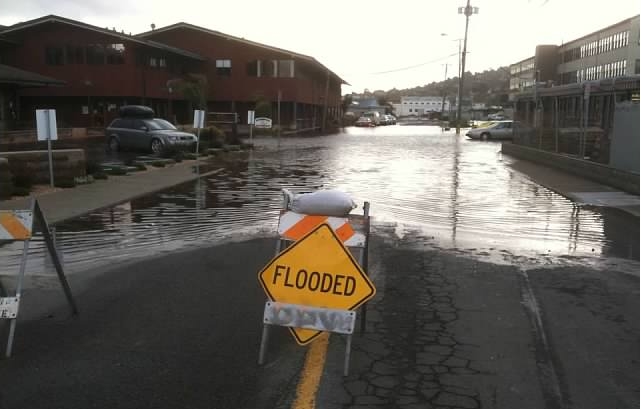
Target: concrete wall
607,175
67,164
624,147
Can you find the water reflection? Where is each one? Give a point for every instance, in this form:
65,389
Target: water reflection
450,191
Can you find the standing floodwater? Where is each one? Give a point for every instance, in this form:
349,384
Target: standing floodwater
444,190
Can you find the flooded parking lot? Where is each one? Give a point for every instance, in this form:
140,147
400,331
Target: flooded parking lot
445,190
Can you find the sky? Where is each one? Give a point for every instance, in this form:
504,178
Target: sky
375,45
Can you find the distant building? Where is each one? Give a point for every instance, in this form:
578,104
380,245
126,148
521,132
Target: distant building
419,106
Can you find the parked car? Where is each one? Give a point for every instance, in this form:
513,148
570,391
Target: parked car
137,130
375,116
500,130
364,121
391,119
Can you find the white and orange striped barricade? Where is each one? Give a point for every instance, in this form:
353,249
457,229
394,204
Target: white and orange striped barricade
18,225
343,240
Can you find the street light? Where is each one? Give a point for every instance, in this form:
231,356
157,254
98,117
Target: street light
468,11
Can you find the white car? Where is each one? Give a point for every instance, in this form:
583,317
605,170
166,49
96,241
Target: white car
499,130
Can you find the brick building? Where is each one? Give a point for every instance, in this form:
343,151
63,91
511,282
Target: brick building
99,69
240,71
102,69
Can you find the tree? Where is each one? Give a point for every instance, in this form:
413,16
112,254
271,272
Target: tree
262,106
193,87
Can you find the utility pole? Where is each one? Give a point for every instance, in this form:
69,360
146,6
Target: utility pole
444,93
468,11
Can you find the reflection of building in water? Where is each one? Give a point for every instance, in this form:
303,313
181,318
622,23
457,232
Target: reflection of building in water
621,232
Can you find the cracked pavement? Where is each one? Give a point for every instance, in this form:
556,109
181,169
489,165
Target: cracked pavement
447,331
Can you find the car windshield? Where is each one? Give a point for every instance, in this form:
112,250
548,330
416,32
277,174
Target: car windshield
159,125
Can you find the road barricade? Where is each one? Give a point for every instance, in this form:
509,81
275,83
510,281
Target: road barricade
318,278
18,225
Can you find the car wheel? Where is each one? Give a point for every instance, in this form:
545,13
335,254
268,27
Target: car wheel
485,136
156,146
114,145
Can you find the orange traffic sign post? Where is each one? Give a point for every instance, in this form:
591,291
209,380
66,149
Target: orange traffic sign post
316,271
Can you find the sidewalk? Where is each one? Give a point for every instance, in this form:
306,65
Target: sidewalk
69,203
577,189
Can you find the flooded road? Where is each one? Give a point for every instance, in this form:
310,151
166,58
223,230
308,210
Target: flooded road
445,191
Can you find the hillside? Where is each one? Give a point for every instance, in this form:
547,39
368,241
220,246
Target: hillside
490,87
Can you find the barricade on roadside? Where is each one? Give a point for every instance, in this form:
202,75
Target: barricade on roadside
318,278
18,225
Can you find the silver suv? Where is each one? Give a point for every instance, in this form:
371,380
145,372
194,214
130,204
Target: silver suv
153,135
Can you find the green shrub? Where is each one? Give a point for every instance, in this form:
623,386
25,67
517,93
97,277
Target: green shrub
263,107
100,175
21,191
92,167
118,171
24,180
158,164
65,183
140,166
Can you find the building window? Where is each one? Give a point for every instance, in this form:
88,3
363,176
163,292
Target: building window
252,69
153,62
95,54
54,55
223,67
162,62
115,53
286,68
267,68
74,55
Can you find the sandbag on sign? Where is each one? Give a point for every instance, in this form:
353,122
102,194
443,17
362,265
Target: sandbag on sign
323,202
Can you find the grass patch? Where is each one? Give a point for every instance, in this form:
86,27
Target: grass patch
158,164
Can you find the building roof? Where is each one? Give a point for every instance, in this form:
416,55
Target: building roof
241,40
57,19
15,76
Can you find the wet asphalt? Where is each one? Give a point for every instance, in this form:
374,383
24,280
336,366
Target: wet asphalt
444,331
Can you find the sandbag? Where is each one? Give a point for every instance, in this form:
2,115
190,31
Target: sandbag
323,202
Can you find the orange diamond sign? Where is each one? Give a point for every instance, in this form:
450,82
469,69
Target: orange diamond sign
316,271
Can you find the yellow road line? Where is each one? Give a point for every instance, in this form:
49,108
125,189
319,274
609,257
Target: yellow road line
312,372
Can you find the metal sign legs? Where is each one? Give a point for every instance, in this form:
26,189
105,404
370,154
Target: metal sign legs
9,306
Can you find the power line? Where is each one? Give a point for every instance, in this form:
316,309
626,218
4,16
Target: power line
413,66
